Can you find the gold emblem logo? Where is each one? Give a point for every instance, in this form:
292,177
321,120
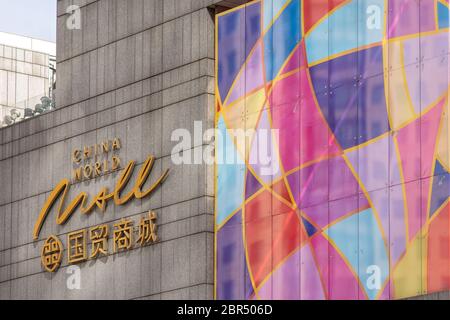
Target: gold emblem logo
52,254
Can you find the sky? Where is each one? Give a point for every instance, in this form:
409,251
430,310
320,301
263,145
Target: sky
31,18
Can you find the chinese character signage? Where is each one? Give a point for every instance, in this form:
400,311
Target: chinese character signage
346,197
83,245
92,243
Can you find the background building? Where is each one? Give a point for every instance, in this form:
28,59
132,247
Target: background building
26,73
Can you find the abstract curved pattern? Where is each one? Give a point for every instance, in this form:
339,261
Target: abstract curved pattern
348,195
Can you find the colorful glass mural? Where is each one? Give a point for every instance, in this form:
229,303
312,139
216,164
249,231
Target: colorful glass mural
346,195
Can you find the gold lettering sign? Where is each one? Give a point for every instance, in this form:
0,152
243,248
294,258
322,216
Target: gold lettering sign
99,238
102,198
93,161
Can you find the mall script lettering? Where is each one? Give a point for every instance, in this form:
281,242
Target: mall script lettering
101,199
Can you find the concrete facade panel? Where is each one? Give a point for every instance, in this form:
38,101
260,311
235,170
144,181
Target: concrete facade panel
136,70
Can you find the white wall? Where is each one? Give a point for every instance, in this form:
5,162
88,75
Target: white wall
24,71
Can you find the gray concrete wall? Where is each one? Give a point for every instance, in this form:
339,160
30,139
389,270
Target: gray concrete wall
137,70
